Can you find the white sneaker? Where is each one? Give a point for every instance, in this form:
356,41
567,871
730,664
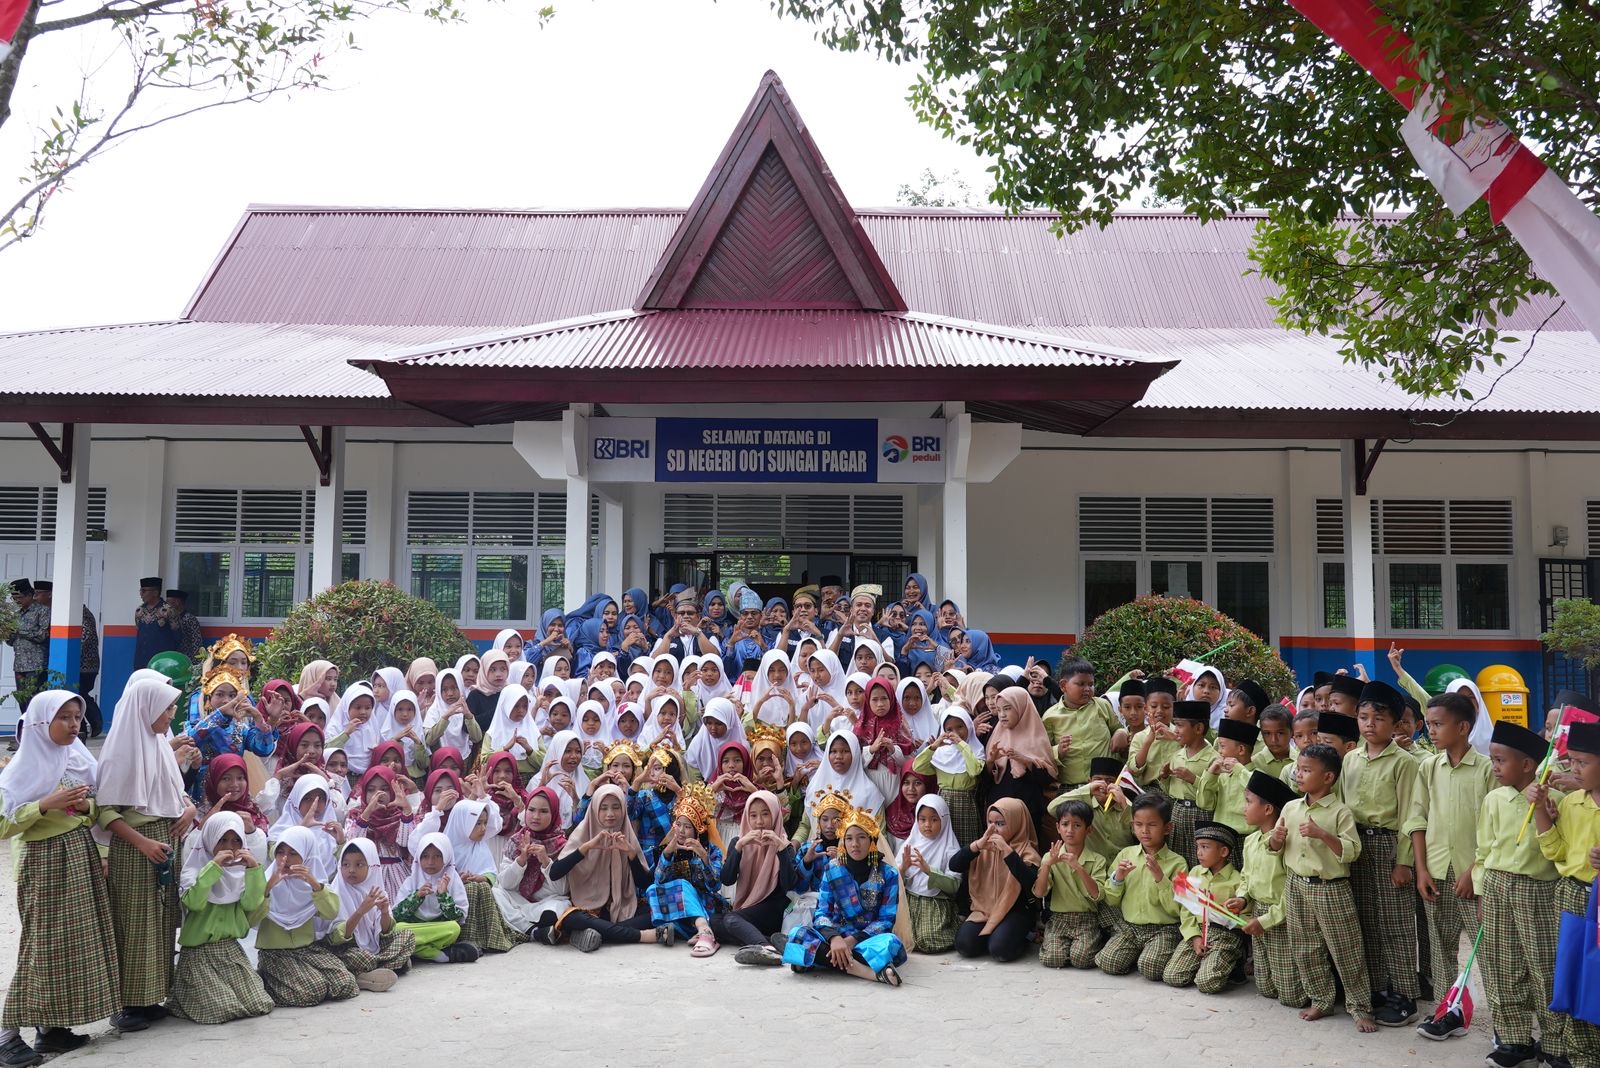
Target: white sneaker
378,980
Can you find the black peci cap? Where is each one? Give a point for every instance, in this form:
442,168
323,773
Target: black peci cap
1520,738
1239,731
1155,686
1348,685
1273,791
1381,693
1105,766
1253,693
1197,711
1339,725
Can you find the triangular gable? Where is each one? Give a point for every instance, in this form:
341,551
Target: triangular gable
770,227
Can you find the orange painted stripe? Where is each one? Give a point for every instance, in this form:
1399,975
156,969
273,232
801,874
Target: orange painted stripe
214,633
71,630
1314,641
118,631
1024,638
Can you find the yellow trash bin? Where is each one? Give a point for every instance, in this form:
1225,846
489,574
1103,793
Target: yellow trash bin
1505,693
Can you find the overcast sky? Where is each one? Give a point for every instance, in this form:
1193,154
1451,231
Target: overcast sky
614,103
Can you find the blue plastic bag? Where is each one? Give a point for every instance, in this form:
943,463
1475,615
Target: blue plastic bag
1577,977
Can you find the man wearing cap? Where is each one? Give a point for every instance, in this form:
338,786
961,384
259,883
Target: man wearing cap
185,625
88,656
858,626
152,628
29,644
830,614
686,638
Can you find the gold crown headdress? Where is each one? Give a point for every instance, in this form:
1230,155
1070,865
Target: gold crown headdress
625,747
762,731
219,675
860,817
696,803
831,801
229,644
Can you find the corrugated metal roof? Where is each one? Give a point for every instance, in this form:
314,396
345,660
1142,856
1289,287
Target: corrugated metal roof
1284,370
760,338
485,269
190,359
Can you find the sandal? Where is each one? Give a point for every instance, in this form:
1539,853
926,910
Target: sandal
888,975
666,935
704,945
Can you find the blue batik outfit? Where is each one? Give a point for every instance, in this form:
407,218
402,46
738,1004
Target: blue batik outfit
686,888
813,870
862,911
220,733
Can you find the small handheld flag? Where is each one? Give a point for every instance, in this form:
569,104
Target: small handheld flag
1198,900
1458,999
1127,784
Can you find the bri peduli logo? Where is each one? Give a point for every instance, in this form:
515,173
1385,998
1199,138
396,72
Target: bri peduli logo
895,448
920,449
621,448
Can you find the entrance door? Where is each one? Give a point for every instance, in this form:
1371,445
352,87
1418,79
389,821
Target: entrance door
773,574
1563,579
33,560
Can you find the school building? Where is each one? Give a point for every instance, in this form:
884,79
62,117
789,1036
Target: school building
503,411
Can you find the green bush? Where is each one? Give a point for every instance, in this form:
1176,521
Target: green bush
1154,633
360,626
1575,630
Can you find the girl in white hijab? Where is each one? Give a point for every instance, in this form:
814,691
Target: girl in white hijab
449,721
822,689
1219,707
923,724
772,698
361,735
718,686
929,887
40,765
591,725
800,766
296,968
310,799
433,902
523,674
512,728
222,882
477,867
562,770
655,730
142,790
394,680
841,771
363,936
514,649
703,749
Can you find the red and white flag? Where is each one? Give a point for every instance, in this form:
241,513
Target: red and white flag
1485,160
11,14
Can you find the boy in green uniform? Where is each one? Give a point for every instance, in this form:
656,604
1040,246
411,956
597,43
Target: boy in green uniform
1305,736
1344,695
1071,880
1516,885
1317,837
1152,747
1081,725
1569,837
1208,954
1180,775
1442,825
1112,830
1377,783
1130,705
1140,886
1276,976
1246,701
1222,783
1273,754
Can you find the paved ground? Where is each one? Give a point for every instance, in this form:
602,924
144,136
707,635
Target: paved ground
645,1005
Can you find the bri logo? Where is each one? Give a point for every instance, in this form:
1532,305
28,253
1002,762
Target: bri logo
918,449
621,448
895,448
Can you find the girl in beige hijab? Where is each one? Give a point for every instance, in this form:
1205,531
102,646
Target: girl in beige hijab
1000,867
1021,762
603,865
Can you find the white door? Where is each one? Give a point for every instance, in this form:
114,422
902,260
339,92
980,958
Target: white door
33,560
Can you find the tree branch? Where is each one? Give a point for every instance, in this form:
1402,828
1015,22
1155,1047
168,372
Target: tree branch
107,13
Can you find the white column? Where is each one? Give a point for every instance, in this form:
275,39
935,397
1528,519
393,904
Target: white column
953,543
1360,599
930,501
144,521
612,536
67,571
577,575
382,502
327,546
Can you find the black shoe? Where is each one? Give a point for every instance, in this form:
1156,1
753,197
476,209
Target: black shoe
585,941
129,1019
155,1012
1450,1025
58,1040
1551,1060
462,953
1512,1056
18,1054
1399,1012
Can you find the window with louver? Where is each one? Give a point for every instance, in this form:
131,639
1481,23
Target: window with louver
790,522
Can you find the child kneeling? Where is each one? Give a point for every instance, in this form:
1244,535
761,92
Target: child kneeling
221,886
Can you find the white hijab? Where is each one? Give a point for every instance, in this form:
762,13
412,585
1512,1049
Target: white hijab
759,708
924,726
652,732
864,793
368,933
579,777
548,671
289,816
1483,726
947,758
289,904
230,886
702,753
520,669
41,765
503,728
822,712
789,761
937,851
505,636
421,880
395,728
474,858
1219,707
360,742
394,680
137,767
704,693
591,758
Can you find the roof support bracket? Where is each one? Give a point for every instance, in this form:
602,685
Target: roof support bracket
1366,461
61,454
321,451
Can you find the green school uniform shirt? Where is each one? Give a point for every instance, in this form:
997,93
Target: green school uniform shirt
1223,794
1576,831
1379,790
1222,884
948,780
1066,889
1090,728
1175,787
28,824
1112,829
1500,818
1290,777
1263,760
1142,899
270,936
436,732
205,922
1445,806
1161,752
1312,856
1263,879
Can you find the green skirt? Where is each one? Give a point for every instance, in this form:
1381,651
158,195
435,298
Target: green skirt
933,922
484,926
301,978
395,950
145,915
214,984
67,954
